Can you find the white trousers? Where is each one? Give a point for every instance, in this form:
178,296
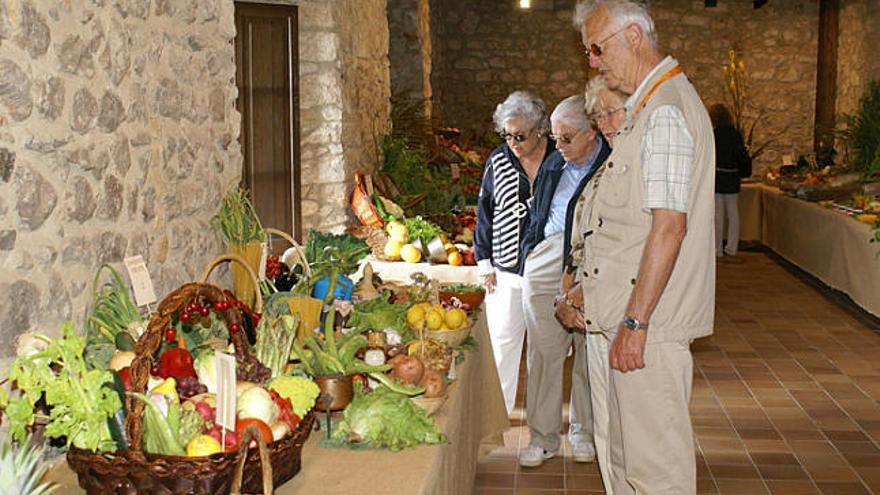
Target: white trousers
549,344
725,206
598,362
507,329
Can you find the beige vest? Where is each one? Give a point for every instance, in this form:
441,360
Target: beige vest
617,228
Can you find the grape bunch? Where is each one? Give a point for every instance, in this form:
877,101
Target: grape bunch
189,386
273,267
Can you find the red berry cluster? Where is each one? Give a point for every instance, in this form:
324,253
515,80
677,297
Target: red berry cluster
273,267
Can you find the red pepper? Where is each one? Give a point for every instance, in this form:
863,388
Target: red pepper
176,362
125,376
287,415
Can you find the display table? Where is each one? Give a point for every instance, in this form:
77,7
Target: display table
830,246
400,271
474,418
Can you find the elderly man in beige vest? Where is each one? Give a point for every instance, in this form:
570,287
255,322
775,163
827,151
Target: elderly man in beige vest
649,266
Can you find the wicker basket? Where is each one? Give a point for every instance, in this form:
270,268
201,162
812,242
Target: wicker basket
451,338
134,471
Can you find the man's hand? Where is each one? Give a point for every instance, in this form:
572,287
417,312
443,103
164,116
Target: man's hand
628,349
571,317
489,281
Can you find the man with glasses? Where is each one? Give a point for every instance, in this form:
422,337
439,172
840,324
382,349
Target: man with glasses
545,245
648,268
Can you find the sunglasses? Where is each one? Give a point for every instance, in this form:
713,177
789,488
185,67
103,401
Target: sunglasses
604,114
519,138
564,138
596,48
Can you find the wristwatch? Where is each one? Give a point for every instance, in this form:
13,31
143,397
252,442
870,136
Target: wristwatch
634,324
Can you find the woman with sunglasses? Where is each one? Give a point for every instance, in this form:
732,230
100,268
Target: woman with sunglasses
502,213
606,109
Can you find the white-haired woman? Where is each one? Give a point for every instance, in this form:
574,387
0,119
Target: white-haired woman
545,246
606,109
502,213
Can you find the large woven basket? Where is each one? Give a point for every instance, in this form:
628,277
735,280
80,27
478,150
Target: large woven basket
136,472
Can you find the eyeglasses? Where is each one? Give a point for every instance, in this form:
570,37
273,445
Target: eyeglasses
596,48
564,138
604,114
519,138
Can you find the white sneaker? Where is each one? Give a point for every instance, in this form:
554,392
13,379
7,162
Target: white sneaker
534,456
583,452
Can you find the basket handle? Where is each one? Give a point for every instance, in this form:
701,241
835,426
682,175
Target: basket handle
151,340
230,257
300,253
252,433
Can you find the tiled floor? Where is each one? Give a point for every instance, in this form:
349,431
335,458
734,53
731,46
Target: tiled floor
785,399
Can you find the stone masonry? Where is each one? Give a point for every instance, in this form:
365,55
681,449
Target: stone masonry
118,136
857,61
494,48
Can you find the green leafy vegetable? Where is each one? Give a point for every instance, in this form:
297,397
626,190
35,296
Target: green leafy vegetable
161,431
79,403
301,392
379,314
237,221
385,419
113,312
348,246
419,228
460,287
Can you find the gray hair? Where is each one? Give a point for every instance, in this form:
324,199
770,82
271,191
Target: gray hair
570,111
621,12
521,104
595,86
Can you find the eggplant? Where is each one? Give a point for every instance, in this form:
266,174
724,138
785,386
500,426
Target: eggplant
286,280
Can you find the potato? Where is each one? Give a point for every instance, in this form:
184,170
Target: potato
435,385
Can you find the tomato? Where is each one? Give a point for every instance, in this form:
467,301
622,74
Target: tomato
170,334
264,429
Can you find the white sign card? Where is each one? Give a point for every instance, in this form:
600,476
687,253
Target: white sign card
264,258
141,283
455,170
224,365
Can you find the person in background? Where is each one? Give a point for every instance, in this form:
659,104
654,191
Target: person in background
545,246
502,213
605,108
732,163
648,269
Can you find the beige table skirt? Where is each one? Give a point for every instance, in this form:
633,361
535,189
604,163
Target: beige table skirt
473,418
830,246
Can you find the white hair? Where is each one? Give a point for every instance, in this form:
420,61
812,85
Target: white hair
570,111
591,94
621,12
525,105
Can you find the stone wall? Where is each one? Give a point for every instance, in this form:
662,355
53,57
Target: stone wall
344,100
491,50
410,54
857,61
118,135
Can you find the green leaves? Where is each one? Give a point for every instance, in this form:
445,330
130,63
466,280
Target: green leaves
112,312
862,132
237,220
79,404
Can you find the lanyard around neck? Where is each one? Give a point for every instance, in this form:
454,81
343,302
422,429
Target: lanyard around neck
668,74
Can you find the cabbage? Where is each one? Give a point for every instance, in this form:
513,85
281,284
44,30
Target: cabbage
204,365
301,392
386,419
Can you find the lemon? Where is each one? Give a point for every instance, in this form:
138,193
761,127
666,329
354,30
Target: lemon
410,254
434,319
455,318
392,249
455,258
439,308
397,231
415,316
444,328
203,445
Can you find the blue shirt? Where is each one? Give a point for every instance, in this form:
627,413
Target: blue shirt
568,183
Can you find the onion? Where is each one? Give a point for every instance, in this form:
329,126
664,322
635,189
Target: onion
435,385
407,369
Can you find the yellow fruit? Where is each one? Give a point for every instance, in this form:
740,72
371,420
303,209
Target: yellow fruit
410,254
455,258
455,318
444,328
203,445
434,319
415,316
392,249
440,309
397,231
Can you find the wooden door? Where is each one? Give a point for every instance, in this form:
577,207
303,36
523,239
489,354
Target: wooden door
267,58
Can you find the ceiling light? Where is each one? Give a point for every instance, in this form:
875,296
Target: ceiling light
525,4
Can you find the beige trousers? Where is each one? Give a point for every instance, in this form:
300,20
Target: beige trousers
548,346
599,370
652,442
